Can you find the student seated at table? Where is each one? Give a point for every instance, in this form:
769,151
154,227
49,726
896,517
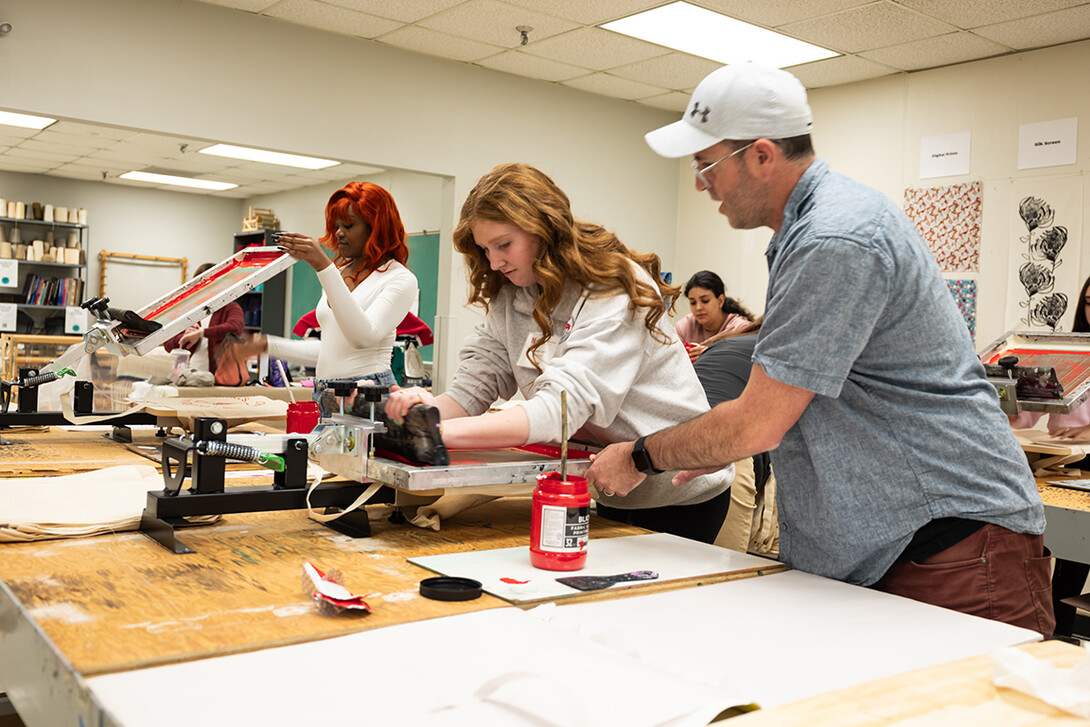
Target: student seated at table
714,316
203,339
751,524
569,308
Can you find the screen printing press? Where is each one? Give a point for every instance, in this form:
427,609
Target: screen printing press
343,444
1039,371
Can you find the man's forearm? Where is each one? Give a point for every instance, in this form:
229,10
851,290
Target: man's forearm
714,439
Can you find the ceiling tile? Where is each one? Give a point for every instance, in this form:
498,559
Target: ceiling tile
26,164
986,12
70,172
595,48
863,28
588,13
491,21
673,101
406,11
1062,26
678,71
73,140
331,17
19,152
523,64
252,6
434,43
842,69
351,171
773,13
943,50
16,132
607,85
91,131
67,150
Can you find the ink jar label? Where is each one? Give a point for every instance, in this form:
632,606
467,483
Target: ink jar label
564,529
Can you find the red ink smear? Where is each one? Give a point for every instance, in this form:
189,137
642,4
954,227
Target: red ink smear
514,581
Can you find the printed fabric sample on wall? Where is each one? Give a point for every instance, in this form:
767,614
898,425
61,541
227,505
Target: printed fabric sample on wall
1044,253
948,219
964,292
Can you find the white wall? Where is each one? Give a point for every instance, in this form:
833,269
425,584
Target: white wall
136,221
193,69
871,131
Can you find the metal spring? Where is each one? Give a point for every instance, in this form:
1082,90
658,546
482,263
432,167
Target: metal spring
240,452
39,379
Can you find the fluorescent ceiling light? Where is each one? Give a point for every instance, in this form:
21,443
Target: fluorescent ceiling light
177,181
268,157
701,32
9,118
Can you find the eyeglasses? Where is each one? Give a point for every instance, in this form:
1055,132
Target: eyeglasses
702,170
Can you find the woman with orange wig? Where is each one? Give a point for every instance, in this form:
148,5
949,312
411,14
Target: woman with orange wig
569,308
366,289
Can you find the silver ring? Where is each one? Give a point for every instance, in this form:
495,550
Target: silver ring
607,494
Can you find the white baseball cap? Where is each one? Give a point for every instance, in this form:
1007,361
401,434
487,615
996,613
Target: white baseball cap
739,102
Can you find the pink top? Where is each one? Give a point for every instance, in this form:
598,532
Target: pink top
689,331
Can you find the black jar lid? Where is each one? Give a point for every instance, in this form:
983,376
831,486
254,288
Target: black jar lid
450,588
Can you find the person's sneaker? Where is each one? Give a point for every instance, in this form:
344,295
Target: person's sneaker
416,439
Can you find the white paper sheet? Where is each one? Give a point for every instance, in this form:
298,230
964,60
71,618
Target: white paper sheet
496,667
671,557
785,636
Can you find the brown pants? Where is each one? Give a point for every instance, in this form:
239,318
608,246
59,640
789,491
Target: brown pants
994,573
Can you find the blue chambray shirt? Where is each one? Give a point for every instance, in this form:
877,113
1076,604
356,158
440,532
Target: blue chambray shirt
903,427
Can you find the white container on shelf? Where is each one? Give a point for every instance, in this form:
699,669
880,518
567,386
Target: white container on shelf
20,210
47,215
60,214
83,215
10,209
73,216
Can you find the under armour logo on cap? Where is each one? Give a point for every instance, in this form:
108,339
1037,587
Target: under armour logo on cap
751,101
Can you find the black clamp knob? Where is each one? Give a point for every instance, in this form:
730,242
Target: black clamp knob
373,392
1008,363
343,388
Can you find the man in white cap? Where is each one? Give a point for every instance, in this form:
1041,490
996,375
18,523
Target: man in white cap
896,467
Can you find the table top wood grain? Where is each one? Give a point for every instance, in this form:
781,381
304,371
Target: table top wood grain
956,693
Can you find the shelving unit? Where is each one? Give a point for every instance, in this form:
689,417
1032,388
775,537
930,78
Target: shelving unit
40,314
263,308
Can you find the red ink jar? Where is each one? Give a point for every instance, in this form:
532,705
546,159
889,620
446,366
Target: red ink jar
560,527
302,417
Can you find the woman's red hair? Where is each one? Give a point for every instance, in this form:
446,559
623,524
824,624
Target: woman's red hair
376,207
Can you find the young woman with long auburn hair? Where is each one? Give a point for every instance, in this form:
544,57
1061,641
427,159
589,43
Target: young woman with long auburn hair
569,308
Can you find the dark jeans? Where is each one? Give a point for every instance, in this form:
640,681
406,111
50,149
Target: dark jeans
701,521
994,573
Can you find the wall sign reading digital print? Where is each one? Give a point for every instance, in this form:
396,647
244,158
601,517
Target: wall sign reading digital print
948,219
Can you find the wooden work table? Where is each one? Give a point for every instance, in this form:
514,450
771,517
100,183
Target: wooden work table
71,609
959,692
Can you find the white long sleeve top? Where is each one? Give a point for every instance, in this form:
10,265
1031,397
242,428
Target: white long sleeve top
358,326
621,382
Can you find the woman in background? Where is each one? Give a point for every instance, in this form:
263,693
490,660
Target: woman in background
1068,577
366,290
203,339
569,308
714,316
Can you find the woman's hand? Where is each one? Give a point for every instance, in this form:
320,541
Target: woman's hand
695,350
191,338
253,346
303,247
402,399
1071,432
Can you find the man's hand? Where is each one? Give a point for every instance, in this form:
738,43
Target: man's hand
612,472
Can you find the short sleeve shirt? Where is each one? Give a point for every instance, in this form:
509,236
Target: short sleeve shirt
903,427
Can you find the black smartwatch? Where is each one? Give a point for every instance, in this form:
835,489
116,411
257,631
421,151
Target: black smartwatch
642,459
